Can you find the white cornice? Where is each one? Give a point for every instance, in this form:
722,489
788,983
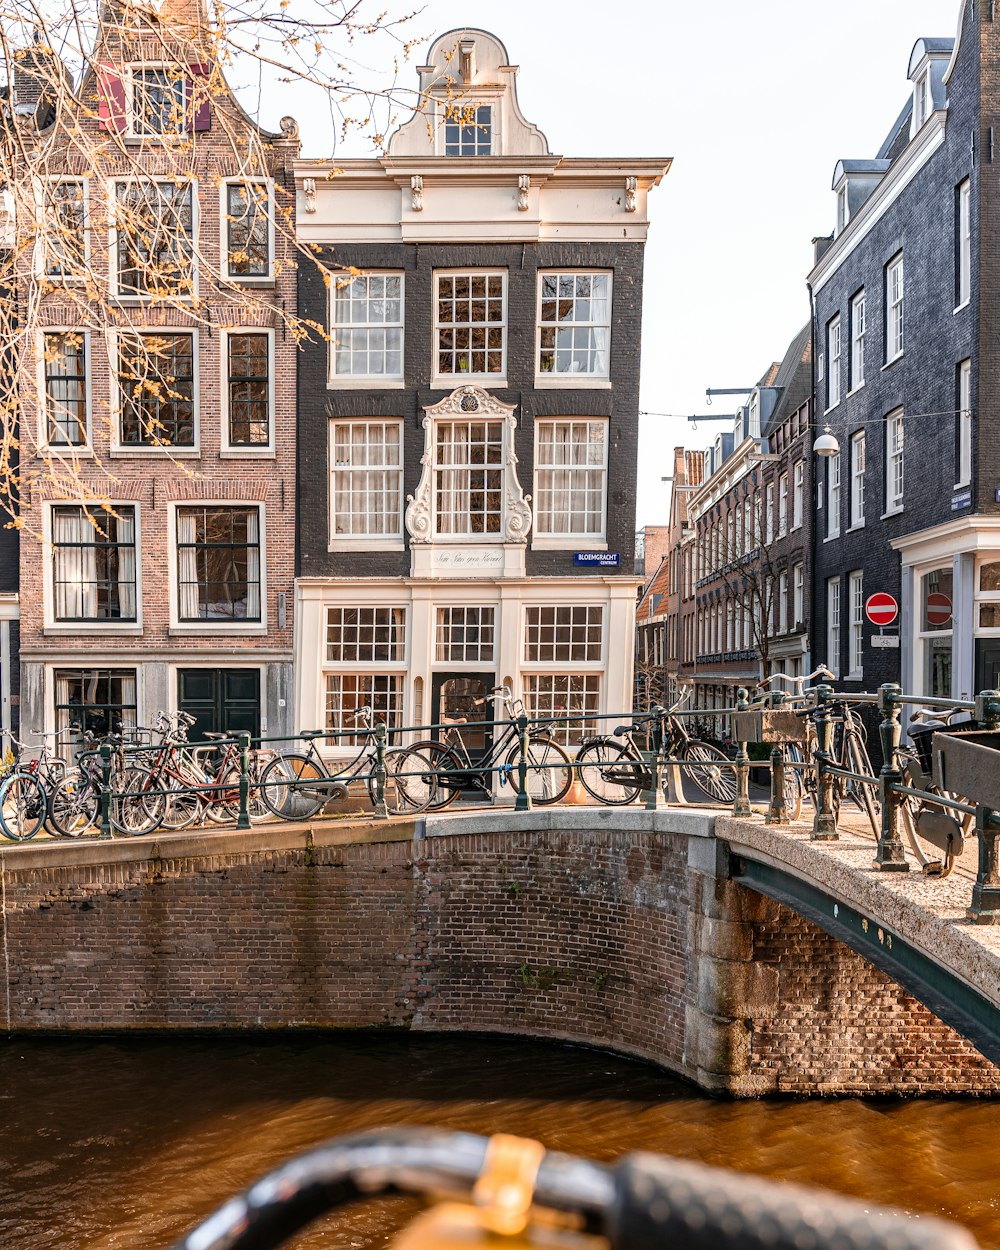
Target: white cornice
897,178
966,534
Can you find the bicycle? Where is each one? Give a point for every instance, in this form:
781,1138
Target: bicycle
923,821
614,771
296,786
549,768
75,804
791,753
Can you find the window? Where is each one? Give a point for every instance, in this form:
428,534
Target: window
820,367
894,461
921,100
471,325
782,505
833,346
248,229
798,594
468,130
571,465
856,599
565,694
857,502
101,700
769,513
574,324
93,563
935,627
218,564
468,478
64,369
857,377
963,244
366,479
346,692
64,222
365,635
833,625
465,635
753,419
567,633
798,487
963,476
248,394
154,238
158,101
782,603
156,389
894,309
833,488
367,327
843,210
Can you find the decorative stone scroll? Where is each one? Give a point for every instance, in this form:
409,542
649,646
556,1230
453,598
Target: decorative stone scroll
523,187
309,190
417,193
631,186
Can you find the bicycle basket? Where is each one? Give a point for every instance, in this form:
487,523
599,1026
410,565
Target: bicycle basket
922,739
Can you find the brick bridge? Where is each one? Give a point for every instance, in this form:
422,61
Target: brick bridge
718,948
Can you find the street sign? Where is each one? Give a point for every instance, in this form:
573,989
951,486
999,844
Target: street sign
881,609
885,642
603,559
938,609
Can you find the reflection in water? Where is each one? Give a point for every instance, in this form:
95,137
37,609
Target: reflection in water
109,1144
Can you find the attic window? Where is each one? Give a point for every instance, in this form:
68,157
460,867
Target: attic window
157,101
843,211
921,99
468,130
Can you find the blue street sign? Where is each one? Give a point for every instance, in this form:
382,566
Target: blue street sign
603,559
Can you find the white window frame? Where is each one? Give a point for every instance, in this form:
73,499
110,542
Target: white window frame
86,448
895,309
833,625
798,493
195,628
783,602
572,380
42,206
128,81
478,662
54,627
449,381
368,381
249,280
769,513
834,347
366,542
857,379
856,517
782,505
820,367
132,297
843,210
464,103
120,449
964,225
590,540
856,637
257,451
895,462
798,593
921,100
833,477
964,475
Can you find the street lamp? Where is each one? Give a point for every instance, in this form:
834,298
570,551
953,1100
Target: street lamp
826,445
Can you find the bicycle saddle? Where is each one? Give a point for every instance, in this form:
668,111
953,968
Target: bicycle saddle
218,737
313,733
621,730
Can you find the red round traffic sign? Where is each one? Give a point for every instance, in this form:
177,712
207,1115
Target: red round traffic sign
938,609
881,609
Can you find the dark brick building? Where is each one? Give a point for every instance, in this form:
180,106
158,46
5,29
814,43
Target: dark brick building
468,435
907,380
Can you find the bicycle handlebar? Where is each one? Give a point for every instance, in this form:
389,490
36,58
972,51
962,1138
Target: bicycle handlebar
798,682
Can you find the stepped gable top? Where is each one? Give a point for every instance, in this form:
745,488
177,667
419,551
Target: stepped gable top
468,91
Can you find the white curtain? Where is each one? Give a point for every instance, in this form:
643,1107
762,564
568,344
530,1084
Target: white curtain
75,565
253,565
187,566
124,555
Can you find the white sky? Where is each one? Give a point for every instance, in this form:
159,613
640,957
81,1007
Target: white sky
756,101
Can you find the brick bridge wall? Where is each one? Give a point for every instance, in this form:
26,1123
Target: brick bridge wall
623,939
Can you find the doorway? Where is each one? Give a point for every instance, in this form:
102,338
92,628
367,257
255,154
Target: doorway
458,696
222,700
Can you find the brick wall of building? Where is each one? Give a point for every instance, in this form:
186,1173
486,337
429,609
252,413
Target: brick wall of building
606,937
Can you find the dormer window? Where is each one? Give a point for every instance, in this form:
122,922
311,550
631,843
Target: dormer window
843,210
754,430
157,101
921,99
468,130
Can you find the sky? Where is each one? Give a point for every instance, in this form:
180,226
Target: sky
755,101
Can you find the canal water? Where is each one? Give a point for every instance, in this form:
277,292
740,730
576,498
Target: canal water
112,1144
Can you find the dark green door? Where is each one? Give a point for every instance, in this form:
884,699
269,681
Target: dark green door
222,700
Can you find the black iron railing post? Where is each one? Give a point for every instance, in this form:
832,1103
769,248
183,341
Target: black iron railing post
243,822
105,790
891,855
825,821
777,810
985,907
741,803
523,801
988,709
655,799
381,810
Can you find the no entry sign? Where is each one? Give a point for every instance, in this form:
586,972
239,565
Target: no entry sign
938,609
881,609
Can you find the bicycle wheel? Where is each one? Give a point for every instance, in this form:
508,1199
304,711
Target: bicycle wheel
138,803
442,759
182,806
22,806
228,809
73,808
549,775
291,787
410,782
864,796
793,784
712,770
608,772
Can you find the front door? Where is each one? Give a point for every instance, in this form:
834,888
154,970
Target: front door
465,696
222,700
987,664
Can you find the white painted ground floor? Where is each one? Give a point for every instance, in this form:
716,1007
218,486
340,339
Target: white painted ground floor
422,650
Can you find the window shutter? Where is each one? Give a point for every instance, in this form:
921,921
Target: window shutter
198,94
111,100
